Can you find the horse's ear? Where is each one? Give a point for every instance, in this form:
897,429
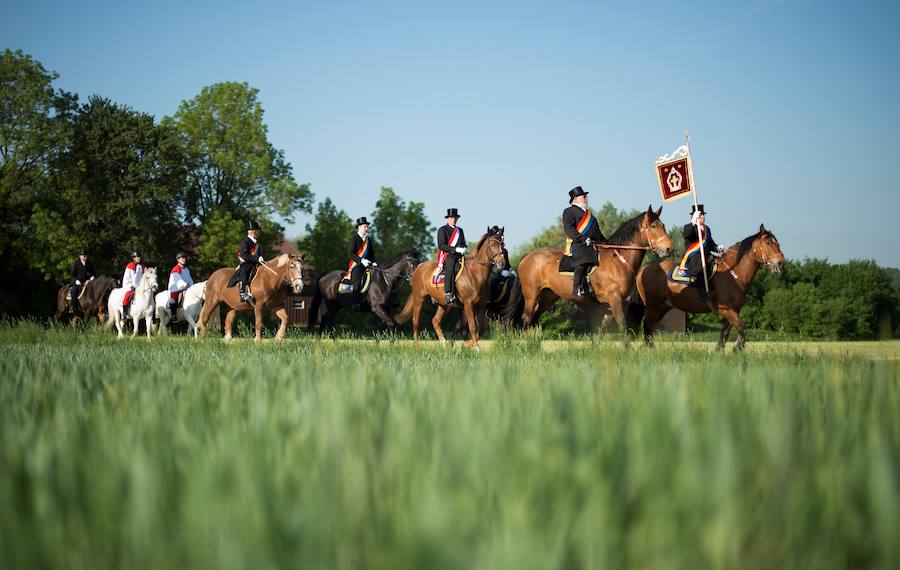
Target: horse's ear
762,229
659,212
650,209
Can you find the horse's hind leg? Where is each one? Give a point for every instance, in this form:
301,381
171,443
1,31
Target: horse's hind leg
416,317
652,316
258,318
469,309
531,302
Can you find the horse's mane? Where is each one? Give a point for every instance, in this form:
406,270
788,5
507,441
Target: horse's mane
481,241
745,244
626,231
410,252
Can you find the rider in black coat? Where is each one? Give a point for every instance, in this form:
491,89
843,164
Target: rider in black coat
582,232
82,271
453,249
361,254
250,256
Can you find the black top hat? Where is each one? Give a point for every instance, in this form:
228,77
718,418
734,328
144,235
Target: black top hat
135,253
179,255
252,225
697,208
82,252
576,192
452,213
362,221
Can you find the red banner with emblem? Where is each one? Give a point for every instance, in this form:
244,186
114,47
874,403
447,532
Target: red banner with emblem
675,174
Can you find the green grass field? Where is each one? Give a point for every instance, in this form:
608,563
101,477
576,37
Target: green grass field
315,454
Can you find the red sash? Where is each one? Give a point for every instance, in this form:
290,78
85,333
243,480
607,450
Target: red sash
442,255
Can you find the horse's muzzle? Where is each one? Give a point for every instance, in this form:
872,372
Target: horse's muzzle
776,266
664,251
297,286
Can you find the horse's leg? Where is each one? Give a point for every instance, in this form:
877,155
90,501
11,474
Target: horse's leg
531,299
726,332
229,320
436,323
136,319
416,316
650,319
618,312
120,325
258,317
469,309
738,323
387,319
148,320
282,329
206,313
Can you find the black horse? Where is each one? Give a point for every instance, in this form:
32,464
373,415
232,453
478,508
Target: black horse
94,295
384,281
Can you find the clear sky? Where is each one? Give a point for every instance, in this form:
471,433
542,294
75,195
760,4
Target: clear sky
499,108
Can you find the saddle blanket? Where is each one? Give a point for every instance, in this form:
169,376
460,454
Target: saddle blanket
679,275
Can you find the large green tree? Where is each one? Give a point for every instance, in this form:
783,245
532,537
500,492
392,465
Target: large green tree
117,187
399,226
325,242
234,167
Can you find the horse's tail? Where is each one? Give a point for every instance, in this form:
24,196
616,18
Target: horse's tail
515,304
407,311
314,306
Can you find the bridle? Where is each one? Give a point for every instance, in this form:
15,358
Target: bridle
282,277
497,260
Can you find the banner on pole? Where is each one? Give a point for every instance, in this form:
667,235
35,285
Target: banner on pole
674,174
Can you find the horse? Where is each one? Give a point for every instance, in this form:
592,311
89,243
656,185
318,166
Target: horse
384,282
268,290
141,306
734,273
188,311
618,261
91,301
471,289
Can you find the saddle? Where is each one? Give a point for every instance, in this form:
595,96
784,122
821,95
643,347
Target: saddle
345,287
571,273
437,276
80,293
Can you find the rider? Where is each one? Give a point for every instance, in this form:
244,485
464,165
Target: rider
179,278
582,232
250,259
361,254
82,272
691,266
132,277
451,247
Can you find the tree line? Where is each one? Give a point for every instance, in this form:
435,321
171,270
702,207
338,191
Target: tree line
103,176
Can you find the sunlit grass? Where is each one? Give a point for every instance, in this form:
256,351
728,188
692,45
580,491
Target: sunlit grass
311,453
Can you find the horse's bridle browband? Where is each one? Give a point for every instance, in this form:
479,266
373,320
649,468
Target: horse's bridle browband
649,247
493,260
282,277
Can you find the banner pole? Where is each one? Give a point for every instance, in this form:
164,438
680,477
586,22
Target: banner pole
700,237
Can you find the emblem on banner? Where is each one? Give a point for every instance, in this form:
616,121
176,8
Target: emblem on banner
674,174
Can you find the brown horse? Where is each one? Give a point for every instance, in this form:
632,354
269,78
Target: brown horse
734,272
618,261
91,301
268,288
471,289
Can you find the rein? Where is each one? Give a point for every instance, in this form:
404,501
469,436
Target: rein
273,272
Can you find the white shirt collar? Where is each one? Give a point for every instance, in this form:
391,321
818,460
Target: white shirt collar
582,207
252,238
360,234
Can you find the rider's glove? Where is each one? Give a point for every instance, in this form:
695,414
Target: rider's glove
77,282
695,218
505,273
588,242
365,262
374,264
720,248
461,250
91,279
261,260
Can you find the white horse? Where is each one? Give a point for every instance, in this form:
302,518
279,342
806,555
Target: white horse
188,311
141,304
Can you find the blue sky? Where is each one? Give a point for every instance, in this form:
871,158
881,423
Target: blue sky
499,108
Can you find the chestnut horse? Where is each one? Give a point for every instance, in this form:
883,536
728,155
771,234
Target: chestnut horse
734,272
268,288
471,289
618,261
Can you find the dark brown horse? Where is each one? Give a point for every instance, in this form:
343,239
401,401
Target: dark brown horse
734,272
471,289
91,302
617,263
268,288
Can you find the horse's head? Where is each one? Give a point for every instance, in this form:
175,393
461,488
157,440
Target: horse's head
654,231
492,246
409,263
295,272
767,250
149,280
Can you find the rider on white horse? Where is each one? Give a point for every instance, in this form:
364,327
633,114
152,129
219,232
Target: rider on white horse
179,279
140,304
134,271
188,311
